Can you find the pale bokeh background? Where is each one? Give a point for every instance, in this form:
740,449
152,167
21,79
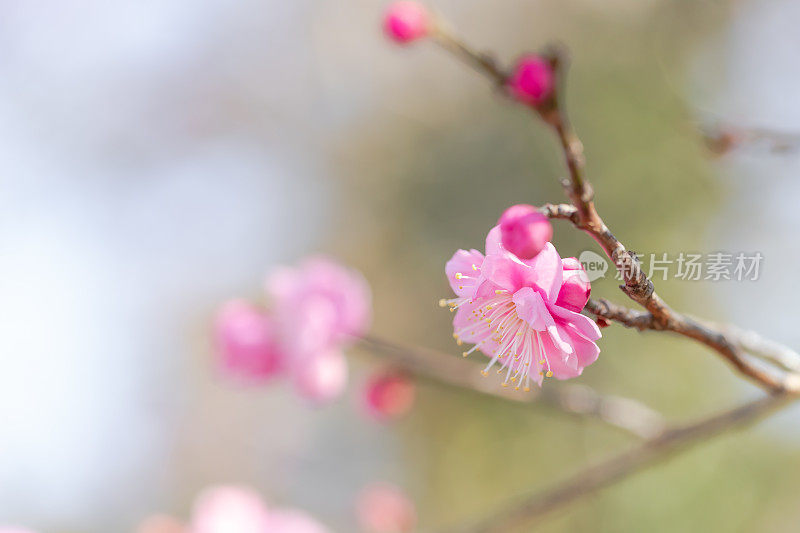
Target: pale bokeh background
159,157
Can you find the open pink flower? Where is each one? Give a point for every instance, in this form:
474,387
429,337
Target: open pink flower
509,308
384,508
247,342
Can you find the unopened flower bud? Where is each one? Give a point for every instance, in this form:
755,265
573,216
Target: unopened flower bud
532,80
524,230
406,21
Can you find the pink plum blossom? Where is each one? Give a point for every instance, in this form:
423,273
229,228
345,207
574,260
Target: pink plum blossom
384,508
388,395
524,230
532,80
15,530
247,342
406,21
513,310
316,310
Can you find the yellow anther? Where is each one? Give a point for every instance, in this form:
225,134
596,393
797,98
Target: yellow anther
459,342
464,354
474,268
513,379
484,373
459,275
504,384
489,307
499,370
442,302
549,373
460,287
527,389
542,362
500,291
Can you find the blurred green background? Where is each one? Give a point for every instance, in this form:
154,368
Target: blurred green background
163,157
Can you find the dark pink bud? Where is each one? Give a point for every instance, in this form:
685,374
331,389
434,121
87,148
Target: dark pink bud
575,286
389,395
532,80
406,21
524,230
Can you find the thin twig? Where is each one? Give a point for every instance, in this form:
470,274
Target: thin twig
584,216
620,466
617,411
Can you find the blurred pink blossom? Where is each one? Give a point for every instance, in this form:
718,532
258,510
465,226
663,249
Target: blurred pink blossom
229,509
524,230
15,530
317,309
406,21
509,309
532,80
320,303
384,508
247,342
388,394
320,376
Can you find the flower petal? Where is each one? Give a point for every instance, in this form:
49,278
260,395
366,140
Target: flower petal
463,272
548,271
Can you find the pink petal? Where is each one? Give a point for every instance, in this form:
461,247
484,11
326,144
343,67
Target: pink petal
575,287
467,265
494,241
548,269
583,324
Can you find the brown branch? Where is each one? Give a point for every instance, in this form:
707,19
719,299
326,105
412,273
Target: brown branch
583,214
620,412
620,466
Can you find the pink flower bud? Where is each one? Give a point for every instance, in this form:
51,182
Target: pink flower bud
406,21
321,377
247,342
389,395
575,286
532,80
383,508
524,230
